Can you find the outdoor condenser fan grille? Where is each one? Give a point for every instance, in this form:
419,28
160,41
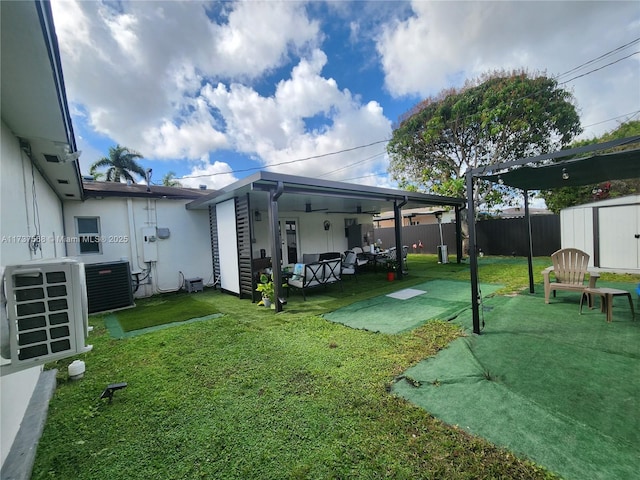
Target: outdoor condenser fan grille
108,286
46,312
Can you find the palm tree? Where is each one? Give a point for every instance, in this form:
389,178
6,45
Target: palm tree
97,176
169,180
121,164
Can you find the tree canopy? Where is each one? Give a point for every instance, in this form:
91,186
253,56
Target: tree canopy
559,198
498,117
121,165
169,180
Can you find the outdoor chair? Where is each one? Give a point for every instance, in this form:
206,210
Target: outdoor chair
569,269
361,258
350,264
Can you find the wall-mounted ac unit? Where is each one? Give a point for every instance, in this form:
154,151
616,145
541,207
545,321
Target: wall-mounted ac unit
46,313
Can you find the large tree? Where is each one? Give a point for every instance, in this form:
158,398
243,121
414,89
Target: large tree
121,164
498,117
559,198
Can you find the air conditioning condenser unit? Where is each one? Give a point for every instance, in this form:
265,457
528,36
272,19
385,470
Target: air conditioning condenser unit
45,317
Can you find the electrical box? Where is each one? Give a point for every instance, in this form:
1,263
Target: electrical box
149,245
193,285
163,233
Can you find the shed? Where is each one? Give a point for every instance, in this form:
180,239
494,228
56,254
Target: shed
608,230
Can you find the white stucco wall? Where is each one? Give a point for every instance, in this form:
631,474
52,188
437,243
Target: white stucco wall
18,209
186,253
311,234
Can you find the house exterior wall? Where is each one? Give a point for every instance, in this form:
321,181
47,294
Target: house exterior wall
20,210
606,231
185,254
312,236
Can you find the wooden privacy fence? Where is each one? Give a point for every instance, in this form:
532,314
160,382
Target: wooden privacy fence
507,236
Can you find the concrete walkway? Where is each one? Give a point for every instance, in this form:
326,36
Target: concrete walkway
19,462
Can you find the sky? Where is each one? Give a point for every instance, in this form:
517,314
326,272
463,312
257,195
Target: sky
216,91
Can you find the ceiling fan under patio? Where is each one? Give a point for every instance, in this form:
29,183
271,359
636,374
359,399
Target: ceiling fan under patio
357,211
308,209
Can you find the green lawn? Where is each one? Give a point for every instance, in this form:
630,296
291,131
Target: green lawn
254,394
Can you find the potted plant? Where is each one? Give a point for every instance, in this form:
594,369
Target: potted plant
265,287
392,267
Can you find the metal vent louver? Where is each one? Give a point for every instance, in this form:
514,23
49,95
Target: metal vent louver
46,311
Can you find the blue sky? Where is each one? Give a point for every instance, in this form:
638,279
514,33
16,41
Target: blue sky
215,91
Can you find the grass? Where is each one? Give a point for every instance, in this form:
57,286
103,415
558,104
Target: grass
253,394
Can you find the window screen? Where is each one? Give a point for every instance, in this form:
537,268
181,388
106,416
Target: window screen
88,234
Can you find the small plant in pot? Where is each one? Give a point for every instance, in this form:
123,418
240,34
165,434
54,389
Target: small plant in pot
265,287
392,267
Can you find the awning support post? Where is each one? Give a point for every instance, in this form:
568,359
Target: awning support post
397,214
473,258
274,225
458,235
527,217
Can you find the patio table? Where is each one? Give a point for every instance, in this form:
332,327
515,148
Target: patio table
373,257
606,299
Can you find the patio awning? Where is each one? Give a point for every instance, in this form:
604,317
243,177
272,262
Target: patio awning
326,195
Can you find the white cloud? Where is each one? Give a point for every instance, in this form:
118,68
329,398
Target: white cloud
135,68
214,175
274,128
444,43
259,34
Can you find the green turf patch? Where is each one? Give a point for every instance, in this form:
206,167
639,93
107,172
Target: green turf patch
160,310
115,329
543,381
443,300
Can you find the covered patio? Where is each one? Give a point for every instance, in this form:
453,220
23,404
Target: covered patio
289,216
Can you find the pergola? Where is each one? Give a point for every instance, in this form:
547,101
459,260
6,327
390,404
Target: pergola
572,167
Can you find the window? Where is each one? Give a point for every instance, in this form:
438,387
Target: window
88,229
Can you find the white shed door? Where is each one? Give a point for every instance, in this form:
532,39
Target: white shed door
618,227
228,246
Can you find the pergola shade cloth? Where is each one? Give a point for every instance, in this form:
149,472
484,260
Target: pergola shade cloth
574,172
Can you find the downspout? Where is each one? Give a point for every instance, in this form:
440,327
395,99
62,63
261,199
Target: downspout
397,214
276,272
64,232
473,258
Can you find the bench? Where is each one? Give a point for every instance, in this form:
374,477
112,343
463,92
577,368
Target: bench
315,274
